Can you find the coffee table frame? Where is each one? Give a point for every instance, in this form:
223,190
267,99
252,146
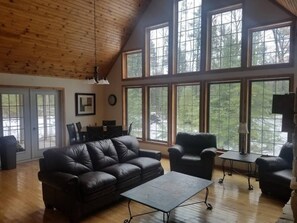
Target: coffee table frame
166,212
232,156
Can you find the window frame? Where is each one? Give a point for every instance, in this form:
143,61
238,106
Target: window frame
234,81
264,28
290,78
148,96
147,49
175,106
209,37
125,65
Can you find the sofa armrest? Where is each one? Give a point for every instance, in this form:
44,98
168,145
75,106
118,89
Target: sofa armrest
150,153
59,180
208,153
176,151
272,163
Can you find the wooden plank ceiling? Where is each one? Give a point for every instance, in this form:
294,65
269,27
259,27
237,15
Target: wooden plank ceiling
290,5
56,38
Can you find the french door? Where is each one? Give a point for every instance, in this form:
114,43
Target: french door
33,117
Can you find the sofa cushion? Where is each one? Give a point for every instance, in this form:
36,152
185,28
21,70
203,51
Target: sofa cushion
127,147
73,159
102,153
95,181
123,171
145,163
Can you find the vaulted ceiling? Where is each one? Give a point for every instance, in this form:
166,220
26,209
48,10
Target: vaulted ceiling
56,38
290,5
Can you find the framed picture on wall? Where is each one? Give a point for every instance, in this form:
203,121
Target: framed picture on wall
85,104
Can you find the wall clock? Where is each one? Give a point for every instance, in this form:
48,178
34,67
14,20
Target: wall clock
112,99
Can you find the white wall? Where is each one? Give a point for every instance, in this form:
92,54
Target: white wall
70,87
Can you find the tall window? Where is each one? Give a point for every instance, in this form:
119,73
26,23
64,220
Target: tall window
265,131
132,64
158,113
158,39
271,46
134,110
226,39
187,108
189,36
224,109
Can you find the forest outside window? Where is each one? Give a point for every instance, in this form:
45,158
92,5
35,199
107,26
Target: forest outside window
158,113
158,50
187,108
226,37
224,110
189,36
266,136
134,110
270,46
132,64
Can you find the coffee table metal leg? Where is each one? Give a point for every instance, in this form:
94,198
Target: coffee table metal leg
130,214
166,217
249,176
208,205
224,173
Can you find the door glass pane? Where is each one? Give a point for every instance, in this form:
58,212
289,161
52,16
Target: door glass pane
46,121
13,118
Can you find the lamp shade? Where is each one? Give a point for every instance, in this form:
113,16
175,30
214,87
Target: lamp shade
243,128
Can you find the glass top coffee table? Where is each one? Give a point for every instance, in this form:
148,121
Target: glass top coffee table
166,193
248,158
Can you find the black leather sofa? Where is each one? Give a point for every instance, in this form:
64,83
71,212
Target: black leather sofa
82,178
193,154
275,173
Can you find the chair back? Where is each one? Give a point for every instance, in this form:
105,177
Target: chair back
287,152
94,133
78,126
130,129
72,133
108,122
114,131
195,143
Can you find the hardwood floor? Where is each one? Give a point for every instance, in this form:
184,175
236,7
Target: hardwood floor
21,201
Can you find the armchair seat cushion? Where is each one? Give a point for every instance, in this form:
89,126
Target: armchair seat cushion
281,177
190,159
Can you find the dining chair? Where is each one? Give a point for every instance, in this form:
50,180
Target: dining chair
82,134
94,133
108,122
114,131
72,134
130,129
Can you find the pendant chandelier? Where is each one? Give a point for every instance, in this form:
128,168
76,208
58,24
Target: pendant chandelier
97,78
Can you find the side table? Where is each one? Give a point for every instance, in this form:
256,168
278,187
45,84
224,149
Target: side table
232,156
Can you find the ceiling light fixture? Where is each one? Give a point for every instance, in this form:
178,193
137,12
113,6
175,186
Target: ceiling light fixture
97,78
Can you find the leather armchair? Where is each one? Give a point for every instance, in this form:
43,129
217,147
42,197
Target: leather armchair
275,173
193,154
